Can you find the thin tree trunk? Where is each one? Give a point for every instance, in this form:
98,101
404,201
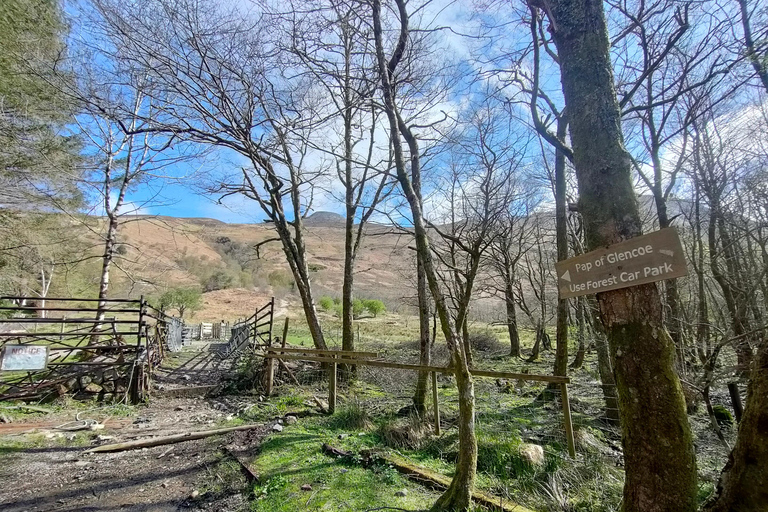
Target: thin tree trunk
561,228
458,496
425,341
578,361
658,446
514,335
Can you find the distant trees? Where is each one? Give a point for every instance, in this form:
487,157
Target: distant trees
39,157
182,300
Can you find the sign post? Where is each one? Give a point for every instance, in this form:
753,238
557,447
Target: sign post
643,259
24,357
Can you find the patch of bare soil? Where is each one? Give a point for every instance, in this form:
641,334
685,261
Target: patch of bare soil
52,472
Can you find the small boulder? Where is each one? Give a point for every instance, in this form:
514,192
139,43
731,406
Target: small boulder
277,427
92,387
290,420
84,381
306,487
402,493
532,453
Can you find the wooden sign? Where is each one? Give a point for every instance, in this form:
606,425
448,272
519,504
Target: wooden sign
643,259
24,357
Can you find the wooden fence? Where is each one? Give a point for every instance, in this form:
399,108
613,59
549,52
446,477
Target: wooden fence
336,357
109,351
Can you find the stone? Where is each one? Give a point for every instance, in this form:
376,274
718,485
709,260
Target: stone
84,381
343,436
92,387
108,386
61,389
306,487
532,453
72,384
402,493
194,494
290,420
277,427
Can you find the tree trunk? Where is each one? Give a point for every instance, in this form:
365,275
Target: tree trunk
458,496
561,236
742,486
514,335
658,447
578,361
348,372
425,341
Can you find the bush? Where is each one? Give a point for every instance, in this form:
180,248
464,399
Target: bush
484,342
358,307
374,307
219,280
325,303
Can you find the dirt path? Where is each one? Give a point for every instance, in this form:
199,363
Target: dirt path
49,471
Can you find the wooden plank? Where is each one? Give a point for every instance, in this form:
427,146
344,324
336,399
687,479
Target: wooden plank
639,260
313,351
416,367
159,441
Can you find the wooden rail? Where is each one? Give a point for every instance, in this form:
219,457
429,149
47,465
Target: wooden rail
369,359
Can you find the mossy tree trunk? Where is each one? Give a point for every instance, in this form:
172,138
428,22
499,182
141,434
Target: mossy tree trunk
658,448
742,486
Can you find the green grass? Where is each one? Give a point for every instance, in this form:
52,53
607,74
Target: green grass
293,458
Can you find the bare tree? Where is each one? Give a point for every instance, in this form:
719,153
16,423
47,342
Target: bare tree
220,79
458,496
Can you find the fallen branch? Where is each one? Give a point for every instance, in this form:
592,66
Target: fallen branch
429,477
159,441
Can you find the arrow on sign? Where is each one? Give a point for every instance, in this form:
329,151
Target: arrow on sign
566,276
665,252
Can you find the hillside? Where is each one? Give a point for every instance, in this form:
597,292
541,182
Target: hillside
166,252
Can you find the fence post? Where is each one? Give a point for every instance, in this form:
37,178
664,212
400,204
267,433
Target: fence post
435,403
285,332
270,375
332,387
567,418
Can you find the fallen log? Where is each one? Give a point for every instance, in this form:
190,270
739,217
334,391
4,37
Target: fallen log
430,477
159,441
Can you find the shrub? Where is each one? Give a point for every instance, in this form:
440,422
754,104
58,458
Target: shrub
358,307
325,303
374,307
484,342
219,280
351,416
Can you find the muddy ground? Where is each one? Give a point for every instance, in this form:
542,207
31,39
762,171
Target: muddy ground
43,468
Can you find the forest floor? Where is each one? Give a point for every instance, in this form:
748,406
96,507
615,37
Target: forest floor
44,468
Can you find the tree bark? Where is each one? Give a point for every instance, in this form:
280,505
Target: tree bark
425,341
658,447
742,486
